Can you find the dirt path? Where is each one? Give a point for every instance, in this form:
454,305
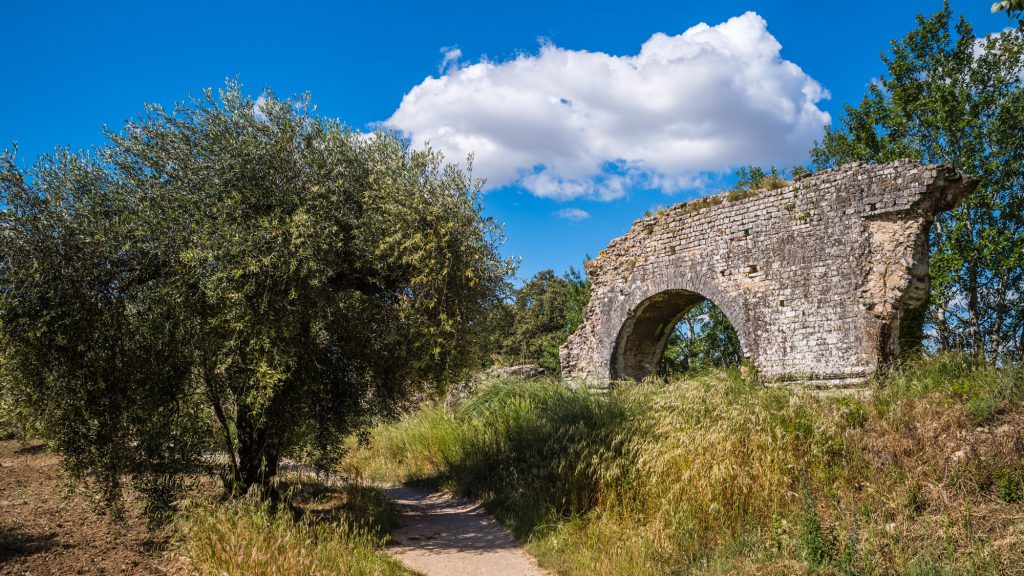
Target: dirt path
444,535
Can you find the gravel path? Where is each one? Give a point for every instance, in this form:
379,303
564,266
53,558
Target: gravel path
444,535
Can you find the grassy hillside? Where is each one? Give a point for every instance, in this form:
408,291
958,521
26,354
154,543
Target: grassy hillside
718,475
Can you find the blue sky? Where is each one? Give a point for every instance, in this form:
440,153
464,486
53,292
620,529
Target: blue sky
585,114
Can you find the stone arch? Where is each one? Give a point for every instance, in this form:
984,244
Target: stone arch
644,334
813,276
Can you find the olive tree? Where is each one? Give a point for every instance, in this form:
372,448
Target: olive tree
237,275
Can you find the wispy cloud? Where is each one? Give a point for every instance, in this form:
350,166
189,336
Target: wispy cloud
450,59
571,123
574,214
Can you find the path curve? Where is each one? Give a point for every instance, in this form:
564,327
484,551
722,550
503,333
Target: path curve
444,535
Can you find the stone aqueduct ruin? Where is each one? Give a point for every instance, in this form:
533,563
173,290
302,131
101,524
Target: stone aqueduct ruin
813,276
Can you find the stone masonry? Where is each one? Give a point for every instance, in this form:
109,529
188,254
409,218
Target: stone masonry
813,276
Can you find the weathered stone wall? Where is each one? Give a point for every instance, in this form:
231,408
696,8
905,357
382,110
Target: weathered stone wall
813,276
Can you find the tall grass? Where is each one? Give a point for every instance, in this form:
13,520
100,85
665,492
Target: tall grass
716,474
244,538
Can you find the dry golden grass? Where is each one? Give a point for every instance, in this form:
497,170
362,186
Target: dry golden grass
244,538
718,475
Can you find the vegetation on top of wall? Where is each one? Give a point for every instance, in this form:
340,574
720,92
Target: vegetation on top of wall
750,180
700,204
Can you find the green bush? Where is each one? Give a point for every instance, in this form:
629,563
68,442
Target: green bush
1009,484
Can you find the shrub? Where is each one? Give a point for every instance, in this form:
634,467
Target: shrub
1009,484
817,540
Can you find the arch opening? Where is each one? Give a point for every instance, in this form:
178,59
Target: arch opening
672,332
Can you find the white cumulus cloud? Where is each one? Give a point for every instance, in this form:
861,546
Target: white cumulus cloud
571,123
574,214
258,106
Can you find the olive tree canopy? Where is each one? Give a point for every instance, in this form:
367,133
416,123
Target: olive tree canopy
236,275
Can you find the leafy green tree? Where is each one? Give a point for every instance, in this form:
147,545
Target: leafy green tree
1013,8
546,310
251,277
704,338
578,296
948,97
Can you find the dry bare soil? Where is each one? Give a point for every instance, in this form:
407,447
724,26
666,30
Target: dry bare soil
45,529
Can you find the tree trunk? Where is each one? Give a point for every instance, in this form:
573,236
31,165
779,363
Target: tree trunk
999,312
231,484
942,327
257,465
973,316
